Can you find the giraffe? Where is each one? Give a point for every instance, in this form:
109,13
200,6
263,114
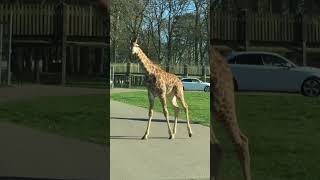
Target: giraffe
223,111
163,85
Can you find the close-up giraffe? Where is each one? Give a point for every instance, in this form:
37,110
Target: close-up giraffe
223,111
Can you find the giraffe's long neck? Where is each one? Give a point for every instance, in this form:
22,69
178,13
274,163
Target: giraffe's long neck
146,62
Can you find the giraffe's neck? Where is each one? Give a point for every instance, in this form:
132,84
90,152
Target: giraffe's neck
146,62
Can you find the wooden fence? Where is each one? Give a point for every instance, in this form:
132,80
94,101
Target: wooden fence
41,20
130,74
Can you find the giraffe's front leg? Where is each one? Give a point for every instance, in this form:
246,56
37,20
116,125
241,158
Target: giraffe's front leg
166,114
174,103
241,145
151,105
216,155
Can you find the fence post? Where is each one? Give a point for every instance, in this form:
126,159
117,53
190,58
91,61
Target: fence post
10,50
203,72
303,39
129,74
185,70
246,28
167,67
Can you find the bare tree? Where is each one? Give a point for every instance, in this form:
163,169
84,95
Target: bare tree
158,9
175,8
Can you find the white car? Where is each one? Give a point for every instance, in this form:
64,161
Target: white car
262,71
194,84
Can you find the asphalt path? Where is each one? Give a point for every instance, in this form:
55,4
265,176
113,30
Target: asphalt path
158,157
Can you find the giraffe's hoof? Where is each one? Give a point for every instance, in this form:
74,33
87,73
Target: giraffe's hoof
190,134
172,136
145,137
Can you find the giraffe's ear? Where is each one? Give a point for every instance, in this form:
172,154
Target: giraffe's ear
136,41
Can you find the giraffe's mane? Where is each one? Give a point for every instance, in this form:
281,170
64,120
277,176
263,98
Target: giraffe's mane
151,62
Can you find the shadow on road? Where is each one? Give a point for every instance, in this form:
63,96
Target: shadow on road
27,178
126,137
139,137
146,120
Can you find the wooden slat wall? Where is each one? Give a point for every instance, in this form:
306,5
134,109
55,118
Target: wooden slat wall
35,19
263,27
313,29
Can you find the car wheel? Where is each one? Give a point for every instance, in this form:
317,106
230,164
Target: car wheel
207,89
311,87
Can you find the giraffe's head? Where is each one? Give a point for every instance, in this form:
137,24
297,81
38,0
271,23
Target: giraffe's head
135,47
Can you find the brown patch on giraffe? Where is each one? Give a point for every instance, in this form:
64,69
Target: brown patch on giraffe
163,85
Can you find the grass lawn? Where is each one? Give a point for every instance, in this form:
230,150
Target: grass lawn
83,117
198,103
283,132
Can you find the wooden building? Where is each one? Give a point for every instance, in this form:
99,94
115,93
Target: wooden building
288,27
53,40
273,6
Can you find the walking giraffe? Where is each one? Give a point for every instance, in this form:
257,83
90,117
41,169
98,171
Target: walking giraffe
163,85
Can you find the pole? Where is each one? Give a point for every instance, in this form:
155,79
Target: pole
63,41
10,50
112,76
1,40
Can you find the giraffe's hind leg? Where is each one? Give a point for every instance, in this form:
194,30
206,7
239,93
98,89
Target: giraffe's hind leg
241,145
180,97
151,105
174,103
216,156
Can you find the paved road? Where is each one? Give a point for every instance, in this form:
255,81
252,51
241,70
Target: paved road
26,152
157,158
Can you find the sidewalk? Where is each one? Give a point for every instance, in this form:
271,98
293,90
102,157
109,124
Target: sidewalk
183,158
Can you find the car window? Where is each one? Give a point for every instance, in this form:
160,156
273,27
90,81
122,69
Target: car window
195,80
249,59
231,59
186,80
270,60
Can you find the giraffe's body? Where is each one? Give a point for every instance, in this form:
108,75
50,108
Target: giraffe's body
223,111
163,85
